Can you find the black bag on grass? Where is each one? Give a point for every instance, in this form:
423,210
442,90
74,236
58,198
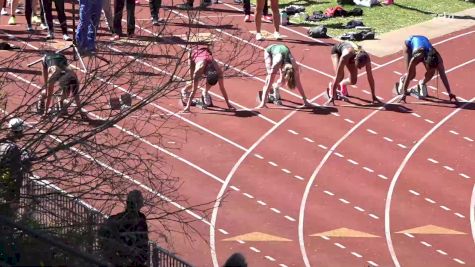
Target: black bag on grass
355,12
345,2
318,32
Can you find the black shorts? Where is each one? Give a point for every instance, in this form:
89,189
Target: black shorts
336,50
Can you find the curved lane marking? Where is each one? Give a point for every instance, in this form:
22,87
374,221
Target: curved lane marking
314,176
230,176
387,227
472,214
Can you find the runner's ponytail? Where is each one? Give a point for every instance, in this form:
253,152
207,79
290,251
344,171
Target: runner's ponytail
289,75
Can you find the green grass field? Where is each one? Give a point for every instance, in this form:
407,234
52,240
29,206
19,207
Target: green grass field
381,18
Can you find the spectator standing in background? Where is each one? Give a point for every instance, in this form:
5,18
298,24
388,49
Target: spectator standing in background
118,9
124,236
89,16
48,14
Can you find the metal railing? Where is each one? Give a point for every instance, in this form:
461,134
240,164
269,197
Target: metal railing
74,221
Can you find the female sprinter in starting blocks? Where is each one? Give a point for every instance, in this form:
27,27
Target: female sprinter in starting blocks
56,70
202,64
353,57
418,49
278,58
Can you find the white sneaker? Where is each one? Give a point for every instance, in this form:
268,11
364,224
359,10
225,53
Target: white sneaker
43,27
36,20
66,37
4,12
277,36
259,37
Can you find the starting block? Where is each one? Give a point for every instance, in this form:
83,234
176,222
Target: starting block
122,102
40,106
419,90
202,102
339,95
273,97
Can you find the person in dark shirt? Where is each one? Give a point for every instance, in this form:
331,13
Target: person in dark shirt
14,163
352,57
56,70
124,236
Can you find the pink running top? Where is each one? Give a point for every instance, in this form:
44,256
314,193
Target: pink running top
201,54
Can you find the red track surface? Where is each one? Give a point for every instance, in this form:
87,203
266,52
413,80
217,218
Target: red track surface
296,174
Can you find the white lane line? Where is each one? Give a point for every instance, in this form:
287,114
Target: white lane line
292,132
241,242
258,156
352,162
368,169
429,200
416,115
449,168
285,170
372,263
371,131
356,255
261,202
432,160
402,146
222,191
339,245
322,147
335,114
359,209
454,132
388,139
444,208
373,216
366,92
308,140
464,175
426,244
350,121
468,139
459,261
269,258
283,265
289,218
382,177
131,178
255,249
234,188
273,163
275,210
429,121
248,195
409,235
414,192
472,213
223,231
442,252
459,215
338,155
392,186
325,237
299,177
344,200
328,193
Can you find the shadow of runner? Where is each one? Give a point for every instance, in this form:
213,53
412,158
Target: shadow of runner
21,71
414,9
397,108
